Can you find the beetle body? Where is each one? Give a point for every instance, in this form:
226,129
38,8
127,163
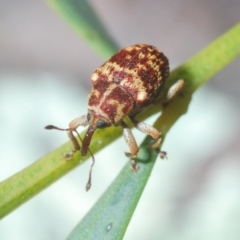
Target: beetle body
128,82
125,85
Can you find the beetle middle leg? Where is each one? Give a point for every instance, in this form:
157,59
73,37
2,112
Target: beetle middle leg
132,144
154,133
148,130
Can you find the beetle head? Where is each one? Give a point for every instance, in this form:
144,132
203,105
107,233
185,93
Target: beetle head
95,121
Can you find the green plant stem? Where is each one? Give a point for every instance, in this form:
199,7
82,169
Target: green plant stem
25,184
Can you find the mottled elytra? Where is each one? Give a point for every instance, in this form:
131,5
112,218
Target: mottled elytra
126,84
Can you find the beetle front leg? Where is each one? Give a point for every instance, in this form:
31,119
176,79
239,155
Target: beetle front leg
73,125
132,144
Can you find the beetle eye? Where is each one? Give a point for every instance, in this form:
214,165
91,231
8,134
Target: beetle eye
101,124
89,116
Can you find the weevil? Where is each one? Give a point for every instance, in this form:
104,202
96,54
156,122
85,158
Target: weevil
125,85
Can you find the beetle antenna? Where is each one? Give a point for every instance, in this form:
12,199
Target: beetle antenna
78,135
89,182
50,127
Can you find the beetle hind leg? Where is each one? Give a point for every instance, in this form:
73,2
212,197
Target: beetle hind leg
172,92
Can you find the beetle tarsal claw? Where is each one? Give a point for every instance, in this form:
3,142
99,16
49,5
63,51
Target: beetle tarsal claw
155,145
69,155
134,165
162,154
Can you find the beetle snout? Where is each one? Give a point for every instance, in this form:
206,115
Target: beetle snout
87,139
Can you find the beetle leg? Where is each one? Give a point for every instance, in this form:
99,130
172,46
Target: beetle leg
132,144
80,121
149,130
73,125
173,91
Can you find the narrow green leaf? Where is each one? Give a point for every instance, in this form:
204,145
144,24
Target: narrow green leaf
109,217
84,21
